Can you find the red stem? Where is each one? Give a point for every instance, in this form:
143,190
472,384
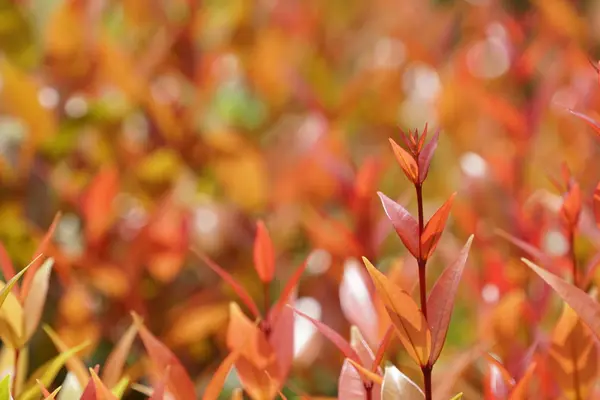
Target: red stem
422,263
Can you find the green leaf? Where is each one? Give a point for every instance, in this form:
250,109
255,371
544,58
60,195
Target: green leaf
5,388
10,284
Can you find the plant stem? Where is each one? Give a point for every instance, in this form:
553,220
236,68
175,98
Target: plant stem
573,257
426,369
422,263
16,373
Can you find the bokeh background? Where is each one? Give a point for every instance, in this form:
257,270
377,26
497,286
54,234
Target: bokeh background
157,125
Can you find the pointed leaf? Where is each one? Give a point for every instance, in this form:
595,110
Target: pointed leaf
121,387
459,396
405,225
333,337
587,309
253,343
37,261
396,385
409,322
521,244
239,290
356,302
406,161
264,255
500,380
158,393
358,343
596,205
36,299
351,385
282,340
102,392
180,384
47,372
426,155
215,386
7,267
385,341
441,301
115,362
97,203
6,289
52,396
434,228
74,364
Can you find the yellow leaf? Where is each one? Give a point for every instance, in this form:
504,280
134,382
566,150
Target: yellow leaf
573,358
409,322
562,16
367,374
47,372
74,364
11,320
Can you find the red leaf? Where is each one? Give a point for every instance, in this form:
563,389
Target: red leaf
500,381
180,383
406,161
587,309
387,338
28,278
89,392
571,207
434,228
521,389
333,336
115,362
102,392
264,255
239,290
523,245
282,342
426,155
405,225
441,301
97,203
215,386
588,120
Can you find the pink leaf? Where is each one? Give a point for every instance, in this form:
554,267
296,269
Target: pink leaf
441,301
334,337
426,155
405,225
287,292
587,309
282,341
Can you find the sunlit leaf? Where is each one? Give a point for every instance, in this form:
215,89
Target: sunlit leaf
264,255
573,357
435,227
367,374
405,225
406,161
596,204
5,388
351,384
253,343
36,298
521,389
441,301
74,364
585,307
409,322
396,385
595,125
571,207
121,387
102,392
285,294
282,341
97,203
6,289
71,388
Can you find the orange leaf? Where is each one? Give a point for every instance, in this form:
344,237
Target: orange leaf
256,382
246,337
406,161
158,393
587,309
434,228
573,357
287,292
180,383
264,255
239,290
8,269
214,387
441,301
521,389
102,392
405,225
367,375
501,382
115,362
409,322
